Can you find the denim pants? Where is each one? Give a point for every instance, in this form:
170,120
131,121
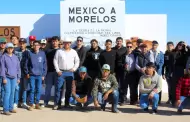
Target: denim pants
35,89
9,91
51,79
74,102
113,97
17,90
144,101
1,91
68,78
185,102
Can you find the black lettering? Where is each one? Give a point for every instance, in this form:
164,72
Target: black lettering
86,18
71,19
93,19
93,11
6,32
113,10
79,19
106,19
12,32
101,10
98,20
78,10
85,10
113,18
72,11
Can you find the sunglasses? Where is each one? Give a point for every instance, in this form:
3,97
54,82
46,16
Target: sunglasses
129,46
79,40
3,43
105,70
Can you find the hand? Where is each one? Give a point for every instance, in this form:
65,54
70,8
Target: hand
72,70
27,76
18,81
155,90
151,95
85,99
105,96
178,103
77,99
164,77
142,70
43,78
4,81
59,73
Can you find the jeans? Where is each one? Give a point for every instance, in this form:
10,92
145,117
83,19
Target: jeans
9,91
144,101
113,97
185,102
35,88
74,102
24,87
68,77
51,79
17,95
1,91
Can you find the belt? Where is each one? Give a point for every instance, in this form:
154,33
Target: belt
64,70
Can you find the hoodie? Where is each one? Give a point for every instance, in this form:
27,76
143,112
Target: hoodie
147,83
10,66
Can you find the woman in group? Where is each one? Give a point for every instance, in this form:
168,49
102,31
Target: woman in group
10,72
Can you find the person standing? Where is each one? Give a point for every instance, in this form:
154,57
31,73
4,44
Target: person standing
10,71
66,62
31,40
137,50
43,43
108,56
35,69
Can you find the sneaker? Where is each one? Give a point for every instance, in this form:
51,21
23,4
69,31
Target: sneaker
116,111
6,113
15,106
168,102
154,111
103,108
32,106
56,107
13,111
38,107
44,105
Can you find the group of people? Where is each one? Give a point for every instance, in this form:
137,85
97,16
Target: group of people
91,76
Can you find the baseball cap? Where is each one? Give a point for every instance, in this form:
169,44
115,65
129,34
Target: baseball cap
2,40
82,69
23,40
106,66
8,45
43,41
80,38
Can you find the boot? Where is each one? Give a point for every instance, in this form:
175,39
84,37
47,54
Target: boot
114,108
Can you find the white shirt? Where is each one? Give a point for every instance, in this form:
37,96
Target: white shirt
66,60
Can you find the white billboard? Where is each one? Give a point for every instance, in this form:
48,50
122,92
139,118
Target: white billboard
99,20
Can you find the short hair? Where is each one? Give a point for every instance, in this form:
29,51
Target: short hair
150,64
55,38
139,41
37,41
129,43
108,40
154,42
94,40
170,43
119,38
14,36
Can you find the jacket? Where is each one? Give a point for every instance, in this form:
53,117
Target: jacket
81,53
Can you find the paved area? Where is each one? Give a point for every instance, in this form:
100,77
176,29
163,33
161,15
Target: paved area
128,114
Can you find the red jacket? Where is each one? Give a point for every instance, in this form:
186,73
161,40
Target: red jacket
183,87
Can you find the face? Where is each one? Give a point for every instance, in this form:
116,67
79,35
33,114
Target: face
82,74
67,45
154,46
149,70
31,43
43,45
36,46
79,42
22,45
105,72
2,45
144,50
108,45
94,45
55,43
138,44
170,46
129,47
119,43
60,45
10,50
180,46
14,40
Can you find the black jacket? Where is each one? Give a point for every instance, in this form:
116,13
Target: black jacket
92,59
82,54
136,52
167,67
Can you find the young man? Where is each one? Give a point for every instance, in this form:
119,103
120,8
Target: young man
43,43
130,73
31,40
92,57
81,89
137,50
35,69
51,76
81,50
106,89
167,69
15,40
108,56
149,87
66,62
183,91
3,42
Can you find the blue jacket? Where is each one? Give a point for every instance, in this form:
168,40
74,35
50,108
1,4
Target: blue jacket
35,63
10,66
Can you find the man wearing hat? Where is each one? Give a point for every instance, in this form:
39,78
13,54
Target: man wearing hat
3,42
137,49
43,44
81,89
105,90
183,91
31,40
150,84
66,62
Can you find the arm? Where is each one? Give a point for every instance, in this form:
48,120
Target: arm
76,61
25,62
114,85
161,63
159,85
83,57
55,61
44,66
178,89
2,64
74,89
18,69
141,87
137,65
95,89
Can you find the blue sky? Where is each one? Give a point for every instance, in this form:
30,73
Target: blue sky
178,12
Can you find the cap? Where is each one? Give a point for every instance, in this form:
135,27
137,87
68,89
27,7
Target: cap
154,42
43,41
32,38
66,39
23,40
82,69
150,64
8,45
80,38
2,40
143,46
139,41
106,66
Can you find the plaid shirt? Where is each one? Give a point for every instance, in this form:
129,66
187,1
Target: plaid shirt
183,87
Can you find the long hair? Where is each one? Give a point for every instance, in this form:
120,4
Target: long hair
183,47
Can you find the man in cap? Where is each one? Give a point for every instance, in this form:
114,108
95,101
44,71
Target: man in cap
183,91
3,42
43,43
150,86
81,89
31,40
137,49
105,90
66,62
